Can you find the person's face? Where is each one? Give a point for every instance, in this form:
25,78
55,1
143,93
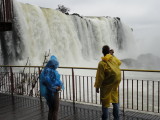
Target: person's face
111,52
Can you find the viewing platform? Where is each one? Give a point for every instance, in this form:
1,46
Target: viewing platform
6,15
5,26
139,94
30,108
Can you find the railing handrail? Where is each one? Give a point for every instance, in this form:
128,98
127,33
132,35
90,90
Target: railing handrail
136,70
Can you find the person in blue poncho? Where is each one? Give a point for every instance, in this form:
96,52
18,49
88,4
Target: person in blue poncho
50,84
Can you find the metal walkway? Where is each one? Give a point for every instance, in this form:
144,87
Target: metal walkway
29,108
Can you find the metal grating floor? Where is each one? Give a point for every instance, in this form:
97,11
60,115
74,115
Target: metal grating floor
29,108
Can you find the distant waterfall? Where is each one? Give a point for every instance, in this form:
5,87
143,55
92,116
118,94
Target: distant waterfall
72,38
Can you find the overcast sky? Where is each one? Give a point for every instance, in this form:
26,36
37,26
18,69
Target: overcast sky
141,15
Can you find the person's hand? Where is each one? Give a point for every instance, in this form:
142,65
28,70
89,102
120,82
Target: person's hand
97,90
58,88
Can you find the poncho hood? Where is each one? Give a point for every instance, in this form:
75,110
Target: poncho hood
53,62
106,58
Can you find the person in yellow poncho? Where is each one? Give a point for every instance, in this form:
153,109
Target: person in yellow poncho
108,78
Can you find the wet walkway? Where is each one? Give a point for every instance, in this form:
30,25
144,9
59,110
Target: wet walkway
29,108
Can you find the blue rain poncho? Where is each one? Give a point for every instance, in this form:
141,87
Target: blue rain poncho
50,79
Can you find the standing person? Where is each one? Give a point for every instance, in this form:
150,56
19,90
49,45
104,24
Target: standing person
108,78
50,84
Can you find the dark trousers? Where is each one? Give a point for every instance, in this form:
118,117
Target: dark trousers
53,105
105,112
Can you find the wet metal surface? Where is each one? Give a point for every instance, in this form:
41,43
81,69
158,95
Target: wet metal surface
29,108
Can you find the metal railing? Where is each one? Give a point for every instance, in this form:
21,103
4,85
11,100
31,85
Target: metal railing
6,15
138,90
6,10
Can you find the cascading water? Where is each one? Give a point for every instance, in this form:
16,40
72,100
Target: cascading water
73,39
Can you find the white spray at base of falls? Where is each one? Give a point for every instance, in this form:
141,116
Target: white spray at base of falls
75,40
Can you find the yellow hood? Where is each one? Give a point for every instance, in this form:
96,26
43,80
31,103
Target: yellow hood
106,58
109,58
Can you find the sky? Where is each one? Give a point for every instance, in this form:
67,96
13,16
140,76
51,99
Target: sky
141,15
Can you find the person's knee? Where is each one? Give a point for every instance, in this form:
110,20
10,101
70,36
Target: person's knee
115,105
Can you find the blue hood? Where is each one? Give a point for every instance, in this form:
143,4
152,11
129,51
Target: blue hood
53,62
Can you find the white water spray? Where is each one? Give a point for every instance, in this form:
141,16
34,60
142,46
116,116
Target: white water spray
75,40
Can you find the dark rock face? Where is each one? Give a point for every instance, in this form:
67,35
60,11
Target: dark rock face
77,15
143,61
130,63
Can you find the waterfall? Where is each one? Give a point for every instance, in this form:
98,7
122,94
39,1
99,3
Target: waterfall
73,39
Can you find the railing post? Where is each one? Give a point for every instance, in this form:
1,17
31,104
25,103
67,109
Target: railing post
39,71
158,95
12,85
4,14
123,95
73,90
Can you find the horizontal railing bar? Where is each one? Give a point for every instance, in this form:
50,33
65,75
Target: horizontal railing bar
136,70
18,66
141,80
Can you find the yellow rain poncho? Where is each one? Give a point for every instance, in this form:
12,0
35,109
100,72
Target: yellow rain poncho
108,78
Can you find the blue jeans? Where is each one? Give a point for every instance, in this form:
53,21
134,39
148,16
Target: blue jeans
105,112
